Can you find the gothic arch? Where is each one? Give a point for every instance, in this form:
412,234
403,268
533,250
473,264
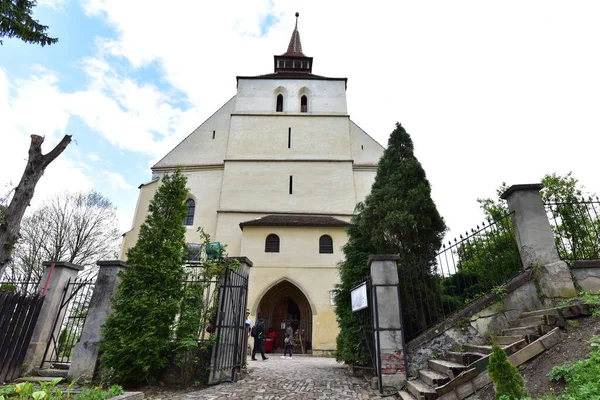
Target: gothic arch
280,90
261,296
304,91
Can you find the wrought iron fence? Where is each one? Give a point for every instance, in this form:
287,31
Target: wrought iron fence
201,298
18,314
20,286
461,272
69,322
576,226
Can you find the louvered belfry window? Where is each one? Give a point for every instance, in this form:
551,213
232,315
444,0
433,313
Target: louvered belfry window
272,244
326,244
191,210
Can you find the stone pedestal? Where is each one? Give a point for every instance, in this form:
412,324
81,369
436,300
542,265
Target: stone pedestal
387,316
53,282
536,241
85,354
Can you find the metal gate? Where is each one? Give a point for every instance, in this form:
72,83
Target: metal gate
367,336
231,333
69,321
18,314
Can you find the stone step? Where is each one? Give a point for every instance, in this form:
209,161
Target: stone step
570,311
531,338
53,372
35,379
433,378
64,366
503,340
421,390
481,364
511,348
545,319
404,395
528,321
465,358
461,379
449,368
523,330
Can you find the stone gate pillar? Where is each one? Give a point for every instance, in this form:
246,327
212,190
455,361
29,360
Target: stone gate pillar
535,239
52,284
387,317
85,353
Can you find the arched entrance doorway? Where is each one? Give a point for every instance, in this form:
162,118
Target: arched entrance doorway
285,302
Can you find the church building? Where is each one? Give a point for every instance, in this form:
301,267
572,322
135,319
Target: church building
275,174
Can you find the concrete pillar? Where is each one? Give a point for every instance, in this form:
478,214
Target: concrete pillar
536,243
53,283
85,354
387,317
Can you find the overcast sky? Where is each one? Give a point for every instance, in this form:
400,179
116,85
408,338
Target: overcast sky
490,92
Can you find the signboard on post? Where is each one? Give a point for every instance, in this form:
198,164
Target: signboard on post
358,296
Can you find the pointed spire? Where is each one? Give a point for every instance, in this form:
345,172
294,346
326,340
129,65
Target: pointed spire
295,46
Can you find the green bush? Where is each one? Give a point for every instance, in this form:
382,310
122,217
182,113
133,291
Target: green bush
508,383
137,336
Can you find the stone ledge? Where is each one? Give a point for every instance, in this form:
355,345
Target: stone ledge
129,396
586,264
382,257
63,264
243,260
112,263
518,188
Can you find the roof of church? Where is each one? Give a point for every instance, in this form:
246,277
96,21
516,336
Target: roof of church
295,220
295,47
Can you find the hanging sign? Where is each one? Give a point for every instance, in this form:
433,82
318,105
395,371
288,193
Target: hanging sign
358,296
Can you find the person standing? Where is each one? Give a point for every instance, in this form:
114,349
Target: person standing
259,337
289,339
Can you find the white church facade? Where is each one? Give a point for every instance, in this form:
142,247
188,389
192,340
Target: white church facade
275,174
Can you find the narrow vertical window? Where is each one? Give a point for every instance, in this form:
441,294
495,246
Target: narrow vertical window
325,244
303,104
289,138
362,147
214,133
191,209
291,183
279,103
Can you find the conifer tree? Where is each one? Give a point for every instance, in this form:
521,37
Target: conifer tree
397,217
136,336
16,21
508,383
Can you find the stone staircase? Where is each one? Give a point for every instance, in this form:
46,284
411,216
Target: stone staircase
457,375
57,370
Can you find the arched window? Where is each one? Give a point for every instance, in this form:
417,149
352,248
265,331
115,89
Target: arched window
191,209
326,244
279,103
272,244
303,104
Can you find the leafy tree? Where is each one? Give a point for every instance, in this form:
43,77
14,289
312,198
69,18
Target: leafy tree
16,21
136,337
397,217
80,228
508,383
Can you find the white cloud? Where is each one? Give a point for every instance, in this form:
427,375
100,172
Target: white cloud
94,157
117,181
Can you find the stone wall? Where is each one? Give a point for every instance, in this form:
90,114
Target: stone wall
473,324
587,274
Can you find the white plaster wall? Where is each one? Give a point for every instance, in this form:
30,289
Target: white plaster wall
365,149
298,246
205,189
363,180
259,95
200,147
319,187
266,137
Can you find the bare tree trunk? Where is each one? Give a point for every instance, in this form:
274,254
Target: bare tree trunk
36,164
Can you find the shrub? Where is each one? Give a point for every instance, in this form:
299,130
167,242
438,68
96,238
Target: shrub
508,383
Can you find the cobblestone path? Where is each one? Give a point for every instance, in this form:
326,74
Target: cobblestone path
299,378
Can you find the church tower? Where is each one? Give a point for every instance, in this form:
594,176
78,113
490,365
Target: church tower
275,174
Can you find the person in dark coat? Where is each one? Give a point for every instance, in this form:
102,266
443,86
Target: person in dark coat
259,338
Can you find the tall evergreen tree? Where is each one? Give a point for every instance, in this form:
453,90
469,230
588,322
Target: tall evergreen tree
397,217
136,336
16,21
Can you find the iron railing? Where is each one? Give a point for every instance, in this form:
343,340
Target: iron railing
367,336
461,272
576,226
69,322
